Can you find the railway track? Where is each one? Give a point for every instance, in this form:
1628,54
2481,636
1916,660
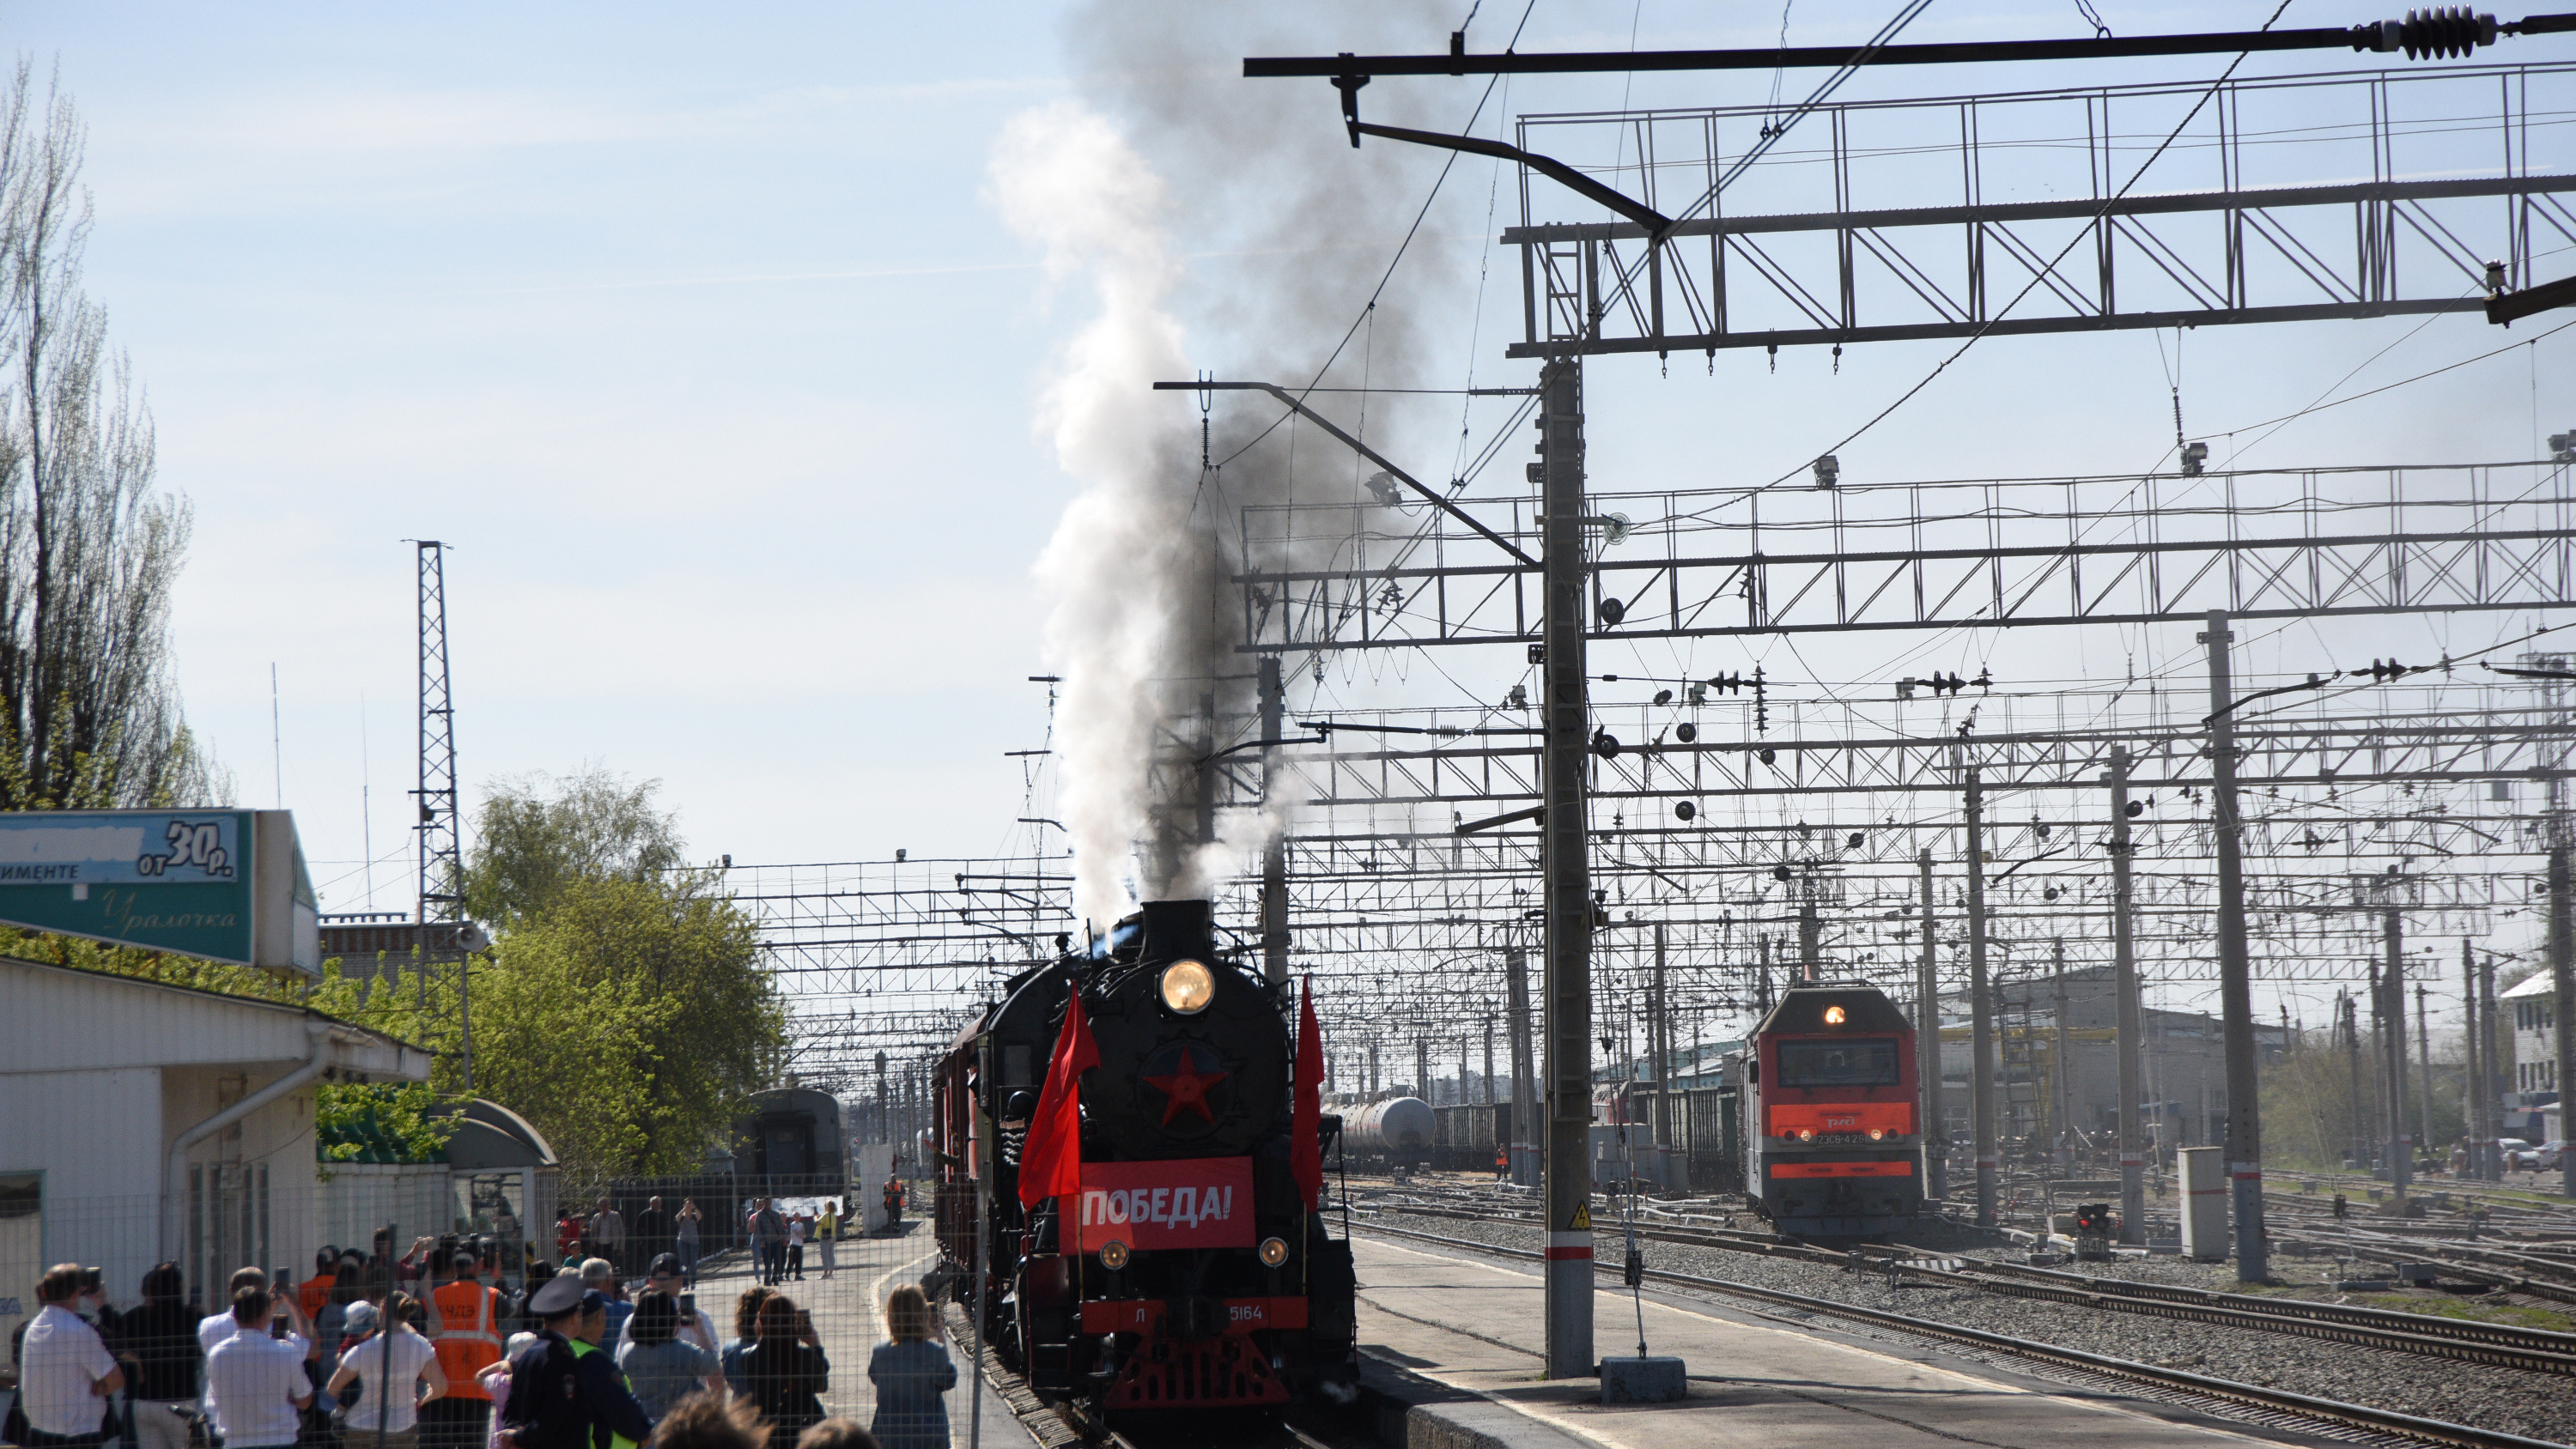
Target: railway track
2269,1405
1237,1429
2461,1340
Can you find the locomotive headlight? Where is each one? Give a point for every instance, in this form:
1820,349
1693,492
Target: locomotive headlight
1806,1134
1188,987
1833,1016
1875,1133
1113,1255
1274,1251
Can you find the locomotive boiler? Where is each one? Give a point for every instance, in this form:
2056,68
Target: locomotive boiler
1190,1269
1833,1145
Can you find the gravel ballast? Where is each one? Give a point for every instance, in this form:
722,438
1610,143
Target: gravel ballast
2537,1405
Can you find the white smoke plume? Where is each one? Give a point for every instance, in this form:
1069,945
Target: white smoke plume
1118,572
1292,228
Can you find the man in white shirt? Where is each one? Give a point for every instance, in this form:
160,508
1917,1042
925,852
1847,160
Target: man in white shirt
65,1373
213,1330
256,1378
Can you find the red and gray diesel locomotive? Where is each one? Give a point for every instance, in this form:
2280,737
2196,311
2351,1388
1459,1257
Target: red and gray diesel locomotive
1190,1270
1834,1147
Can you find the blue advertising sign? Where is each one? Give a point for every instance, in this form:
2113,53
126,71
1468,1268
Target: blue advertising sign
59,847
227,885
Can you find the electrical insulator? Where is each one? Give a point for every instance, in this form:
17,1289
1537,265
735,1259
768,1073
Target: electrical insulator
1761,709
2441,33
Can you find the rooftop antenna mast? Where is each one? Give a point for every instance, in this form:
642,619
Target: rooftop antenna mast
442,866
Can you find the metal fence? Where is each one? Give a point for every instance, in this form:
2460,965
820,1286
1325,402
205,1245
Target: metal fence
836,1286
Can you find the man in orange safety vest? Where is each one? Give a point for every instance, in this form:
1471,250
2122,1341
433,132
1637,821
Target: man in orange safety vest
467,1338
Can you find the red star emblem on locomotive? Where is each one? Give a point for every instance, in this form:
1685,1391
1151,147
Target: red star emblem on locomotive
1187,1086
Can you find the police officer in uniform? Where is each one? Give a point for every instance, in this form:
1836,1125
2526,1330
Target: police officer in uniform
560,1397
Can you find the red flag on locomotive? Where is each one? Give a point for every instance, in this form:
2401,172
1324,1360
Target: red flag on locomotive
1051,1162
1305,1120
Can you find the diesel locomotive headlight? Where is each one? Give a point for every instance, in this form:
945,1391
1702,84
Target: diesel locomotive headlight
1188,987
1113,1255
1274,1251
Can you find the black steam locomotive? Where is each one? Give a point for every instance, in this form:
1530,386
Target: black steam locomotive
1190,1271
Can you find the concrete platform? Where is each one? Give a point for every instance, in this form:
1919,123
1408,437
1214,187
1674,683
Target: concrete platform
1456,1340
849,1316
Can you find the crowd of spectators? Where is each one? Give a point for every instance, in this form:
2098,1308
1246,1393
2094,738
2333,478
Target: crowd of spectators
429,1350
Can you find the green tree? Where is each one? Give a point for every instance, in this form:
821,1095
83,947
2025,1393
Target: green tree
629,1020
537,834
89,547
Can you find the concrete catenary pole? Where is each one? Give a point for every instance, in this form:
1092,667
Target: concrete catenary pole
2424,1070
2235,968
1811,928
2124,973
2472,1068
1487,1097
2490,1092
2392,998
2562,975
1274,852
1927,1046
1568,894
2061,1060
1525,1109
2360,1103
1658,1040
1981,1010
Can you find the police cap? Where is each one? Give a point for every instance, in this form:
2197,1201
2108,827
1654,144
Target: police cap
559,1296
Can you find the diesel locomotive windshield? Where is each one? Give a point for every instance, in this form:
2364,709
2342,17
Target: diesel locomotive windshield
1867,1062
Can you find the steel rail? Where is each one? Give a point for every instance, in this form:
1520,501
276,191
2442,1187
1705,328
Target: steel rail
2495,1344
2276,1401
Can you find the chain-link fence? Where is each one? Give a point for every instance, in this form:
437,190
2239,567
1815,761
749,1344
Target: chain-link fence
774,1289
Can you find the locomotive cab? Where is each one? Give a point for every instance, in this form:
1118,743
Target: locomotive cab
1836,1147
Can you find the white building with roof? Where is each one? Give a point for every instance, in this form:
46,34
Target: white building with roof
147,1121
2530,1007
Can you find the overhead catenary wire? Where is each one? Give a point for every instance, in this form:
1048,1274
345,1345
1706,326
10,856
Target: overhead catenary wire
2040,275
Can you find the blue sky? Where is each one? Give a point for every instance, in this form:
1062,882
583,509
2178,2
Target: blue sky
695,332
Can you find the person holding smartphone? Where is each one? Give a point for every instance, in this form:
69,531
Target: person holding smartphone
256,1378
668,1276
785,1371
